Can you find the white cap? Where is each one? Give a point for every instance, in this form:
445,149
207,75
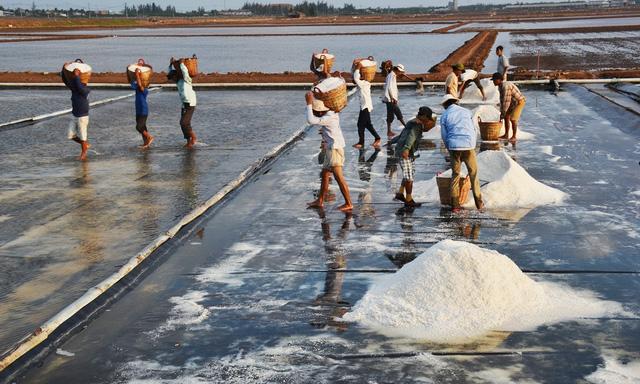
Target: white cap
319,106
400,67
448,97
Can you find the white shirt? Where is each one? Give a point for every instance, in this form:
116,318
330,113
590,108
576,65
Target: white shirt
468,74
390,87
331,132
365,91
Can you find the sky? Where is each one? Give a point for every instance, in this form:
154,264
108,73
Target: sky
184,5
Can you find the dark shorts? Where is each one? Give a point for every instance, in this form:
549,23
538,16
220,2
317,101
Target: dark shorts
185,120
393,110
141,123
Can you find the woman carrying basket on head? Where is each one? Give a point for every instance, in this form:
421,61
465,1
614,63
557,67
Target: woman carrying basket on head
188,98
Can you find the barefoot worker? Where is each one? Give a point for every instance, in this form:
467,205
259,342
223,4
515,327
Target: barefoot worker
391,97
511,105
80,111
366,107
188,98
459,135
406,146
467,77
451,82
142,108
319,114
503,62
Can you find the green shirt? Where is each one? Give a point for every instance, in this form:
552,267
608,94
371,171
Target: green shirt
409,138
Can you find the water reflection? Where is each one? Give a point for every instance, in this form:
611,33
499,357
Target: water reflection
408,251
189,179
146,196
330,299
365,165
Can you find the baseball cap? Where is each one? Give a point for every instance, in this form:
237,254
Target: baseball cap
400,67
319,106
448,97
458,66
497,76
426,111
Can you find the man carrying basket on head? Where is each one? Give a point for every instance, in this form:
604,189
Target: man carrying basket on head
391,97
80,109
188,98
366,107
142,108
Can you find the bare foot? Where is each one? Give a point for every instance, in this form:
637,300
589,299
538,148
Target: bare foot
83,156
390,134
512,139
315,204
345,207
147,143
504,137
358,145
376,144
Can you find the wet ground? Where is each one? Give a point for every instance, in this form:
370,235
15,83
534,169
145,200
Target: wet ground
255,290
66,225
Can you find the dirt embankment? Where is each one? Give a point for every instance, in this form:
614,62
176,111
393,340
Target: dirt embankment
472,54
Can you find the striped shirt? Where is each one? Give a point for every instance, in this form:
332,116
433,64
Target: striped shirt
510,97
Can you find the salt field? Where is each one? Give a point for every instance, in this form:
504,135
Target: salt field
576,23
257,290
231,54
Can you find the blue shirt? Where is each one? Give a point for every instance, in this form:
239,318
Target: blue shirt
142,108
457,129
79,96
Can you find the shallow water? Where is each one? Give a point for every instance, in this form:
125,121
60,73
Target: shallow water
257,289
232,54
578,23
67,225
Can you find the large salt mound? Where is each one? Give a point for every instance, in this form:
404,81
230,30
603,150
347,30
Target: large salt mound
472,94
491,113
504,184
456,291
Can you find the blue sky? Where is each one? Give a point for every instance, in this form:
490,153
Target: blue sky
227,4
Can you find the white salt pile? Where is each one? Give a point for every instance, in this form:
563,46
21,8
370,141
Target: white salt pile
84,68
456,291
504,184
324,55
615,372
472,94
142,68
330,83
368,63
491,113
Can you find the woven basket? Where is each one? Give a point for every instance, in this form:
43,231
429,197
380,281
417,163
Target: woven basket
190,62
335,99
145,77
490,130
84,76
324,60
444,188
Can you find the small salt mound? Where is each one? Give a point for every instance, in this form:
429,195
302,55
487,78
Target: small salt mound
457,291
84,68
325,55
330,83
472,94
143,68
491,113
504,184
368,63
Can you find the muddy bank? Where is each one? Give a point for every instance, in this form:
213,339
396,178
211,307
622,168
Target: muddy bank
472,53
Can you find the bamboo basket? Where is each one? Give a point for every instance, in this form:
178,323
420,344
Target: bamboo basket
190,62
325,59
84,76
490,130
145,76
335,99
368,73
444,189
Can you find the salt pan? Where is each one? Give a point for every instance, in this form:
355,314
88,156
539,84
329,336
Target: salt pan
457,291
504,184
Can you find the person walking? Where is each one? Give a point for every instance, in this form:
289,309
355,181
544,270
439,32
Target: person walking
366,107
503,62
79,124
511,105
142,108
390,97
467,77
459,135
406,146
188,98
333,149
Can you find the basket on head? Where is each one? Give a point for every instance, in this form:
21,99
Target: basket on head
490,130
444,189
85,71
145,73
332,91
190,62
367,68
324,59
